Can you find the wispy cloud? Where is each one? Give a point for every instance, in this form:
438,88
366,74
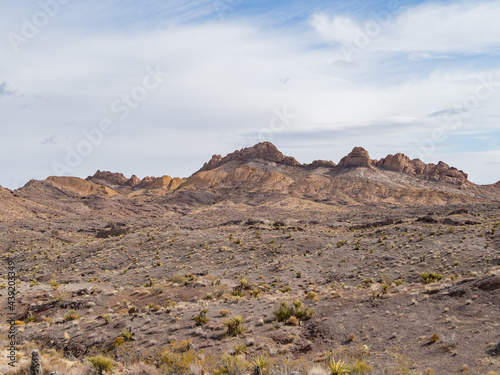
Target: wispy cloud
4,91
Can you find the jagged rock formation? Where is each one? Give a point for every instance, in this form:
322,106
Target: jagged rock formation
321,164
114,180
360,158
133,181
440,172
122,184
262,170
265,151
109,177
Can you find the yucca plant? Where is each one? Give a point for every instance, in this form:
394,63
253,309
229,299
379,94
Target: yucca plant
235,326
338,367
260,365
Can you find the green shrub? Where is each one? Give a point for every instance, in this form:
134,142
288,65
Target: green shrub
101,363
361,367
71,315
235,326
127,335
260,365
296,309
338,367
430,277
201,318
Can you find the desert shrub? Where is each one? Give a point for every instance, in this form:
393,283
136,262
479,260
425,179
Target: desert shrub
260,365
229,365
182,279
337,367
284,312
295,309
361,367
311,295
235,326
224,312
240,349
238,293
54,284
101,363
118,341
201,318
434,338
176,358
127,335
430,277
71,315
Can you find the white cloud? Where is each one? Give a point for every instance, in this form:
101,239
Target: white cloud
339,29
425,31
225,81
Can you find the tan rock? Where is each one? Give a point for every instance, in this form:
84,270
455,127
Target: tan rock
159,183
358,157
81,187
133,181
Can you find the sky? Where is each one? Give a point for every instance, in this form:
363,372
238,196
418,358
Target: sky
156,87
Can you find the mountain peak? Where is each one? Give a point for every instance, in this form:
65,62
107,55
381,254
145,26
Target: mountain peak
264,150
358,157
109,177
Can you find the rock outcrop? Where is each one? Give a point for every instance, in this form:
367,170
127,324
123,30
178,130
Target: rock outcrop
109,177
264,150
124,184
165,182
81,187
357,158
133,181
440,172
321,164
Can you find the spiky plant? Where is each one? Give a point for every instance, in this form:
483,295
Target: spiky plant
338,367
260,365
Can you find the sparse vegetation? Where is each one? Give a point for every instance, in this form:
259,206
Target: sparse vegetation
235,326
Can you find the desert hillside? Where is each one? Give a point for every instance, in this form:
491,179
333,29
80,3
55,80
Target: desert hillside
258,264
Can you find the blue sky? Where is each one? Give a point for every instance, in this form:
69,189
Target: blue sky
316,78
